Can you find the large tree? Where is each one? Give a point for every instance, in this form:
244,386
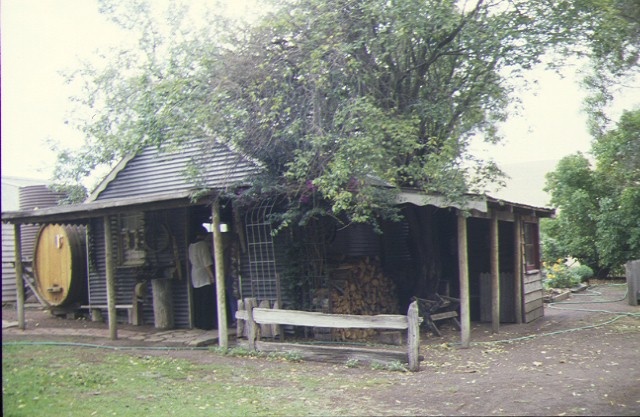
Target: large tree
329,94
599,220
344,101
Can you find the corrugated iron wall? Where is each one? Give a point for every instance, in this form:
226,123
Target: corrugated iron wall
8,267
356,240
127,277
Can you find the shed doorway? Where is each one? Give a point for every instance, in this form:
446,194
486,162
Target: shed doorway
203,303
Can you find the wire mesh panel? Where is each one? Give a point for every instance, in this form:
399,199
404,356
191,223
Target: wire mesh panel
260,248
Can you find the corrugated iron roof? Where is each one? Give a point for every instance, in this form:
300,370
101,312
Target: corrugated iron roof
156,171
154,177
158,176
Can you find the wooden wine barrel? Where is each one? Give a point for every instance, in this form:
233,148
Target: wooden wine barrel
60,264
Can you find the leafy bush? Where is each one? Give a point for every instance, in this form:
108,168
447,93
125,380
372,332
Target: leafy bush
559,275
583,272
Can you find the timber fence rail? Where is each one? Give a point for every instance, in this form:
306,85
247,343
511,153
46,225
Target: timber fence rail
254,317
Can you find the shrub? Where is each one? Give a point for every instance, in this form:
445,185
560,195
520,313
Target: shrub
583,272
559,275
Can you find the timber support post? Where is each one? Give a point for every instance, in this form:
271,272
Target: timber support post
110,277
463,276
17,239
632,272
218,256
517,267
413,337
495,274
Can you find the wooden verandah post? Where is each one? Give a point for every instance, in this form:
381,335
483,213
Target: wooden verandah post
495,274
463,275
17,240
218,256
517,267
111,282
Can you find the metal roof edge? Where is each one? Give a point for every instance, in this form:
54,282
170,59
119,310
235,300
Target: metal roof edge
420,198
539,211
110,177
76,212
478,202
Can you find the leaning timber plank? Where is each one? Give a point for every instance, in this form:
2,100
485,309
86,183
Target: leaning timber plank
306,318
334,354
443,316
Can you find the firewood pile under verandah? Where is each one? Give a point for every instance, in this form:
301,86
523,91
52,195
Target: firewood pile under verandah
360,316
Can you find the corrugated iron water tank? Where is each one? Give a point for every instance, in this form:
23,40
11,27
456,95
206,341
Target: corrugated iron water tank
60,265
33,197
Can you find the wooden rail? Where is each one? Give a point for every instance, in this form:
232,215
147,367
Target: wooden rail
255,316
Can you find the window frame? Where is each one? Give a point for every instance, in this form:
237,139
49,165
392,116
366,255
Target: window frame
531,246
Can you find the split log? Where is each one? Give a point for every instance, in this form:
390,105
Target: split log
162,303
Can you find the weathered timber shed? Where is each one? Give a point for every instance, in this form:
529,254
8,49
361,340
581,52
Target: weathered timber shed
140,220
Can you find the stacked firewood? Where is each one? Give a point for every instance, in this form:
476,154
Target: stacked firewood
360,287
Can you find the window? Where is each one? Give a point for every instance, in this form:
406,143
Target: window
531,247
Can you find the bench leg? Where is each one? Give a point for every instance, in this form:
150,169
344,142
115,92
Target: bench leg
456,323
432,325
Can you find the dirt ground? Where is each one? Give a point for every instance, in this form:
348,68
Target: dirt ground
581,358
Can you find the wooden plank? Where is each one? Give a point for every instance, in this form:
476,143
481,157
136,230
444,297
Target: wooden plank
413,337
530,287
532,276
333,354
17,241
533,315
252,327
111,279
444,316
313,319
534,303
463,268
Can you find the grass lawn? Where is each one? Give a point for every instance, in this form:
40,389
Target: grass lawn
75,381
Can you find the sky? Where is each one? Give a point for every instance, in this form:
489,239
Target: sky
41,38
